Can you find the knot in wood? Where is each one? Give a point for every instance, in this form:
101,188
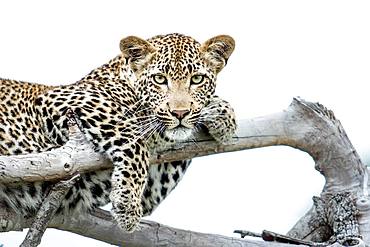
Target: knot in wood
67,167
363,204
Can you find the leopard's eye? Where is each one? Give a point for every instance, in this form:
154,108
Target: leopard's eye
197,79
160,79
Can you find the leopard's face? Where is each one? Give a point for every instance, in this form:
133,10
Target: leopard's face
176,77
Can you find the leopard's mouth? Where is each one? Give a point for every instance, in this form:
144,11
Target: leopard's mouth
172,123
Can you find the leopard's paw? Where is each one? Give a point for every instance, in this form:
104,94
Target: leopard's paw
126,211
219,119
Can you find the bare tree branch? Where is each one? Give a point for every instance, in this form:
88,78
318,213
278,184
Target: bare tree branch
303,125
151,234
47,211
76,156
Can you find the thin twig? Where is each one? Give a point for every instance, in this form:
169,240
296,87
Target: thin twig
276,237
46,212
244,233
279,238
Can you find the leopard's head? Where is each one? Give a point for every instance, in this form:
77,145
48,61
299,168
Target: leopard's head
175,76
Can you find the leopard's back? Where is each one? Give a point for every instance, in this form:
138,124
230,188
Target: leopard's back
21,129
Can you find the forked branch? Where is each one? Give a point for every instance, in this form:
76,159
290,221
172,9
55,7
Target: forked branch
307,126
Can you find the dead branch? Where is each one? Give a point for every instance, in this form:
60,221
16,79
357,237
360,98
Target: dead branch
46,212
303,125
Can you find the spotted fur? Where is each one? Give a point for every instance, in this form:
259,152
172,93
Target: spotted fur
156,91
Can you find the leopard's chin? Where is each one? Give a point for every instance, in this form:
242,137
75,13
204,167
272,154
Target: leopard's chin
179,134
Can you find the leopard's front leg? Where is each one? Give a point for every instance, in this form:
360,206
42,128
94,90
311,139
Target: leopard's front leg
117,136
128,182
219,119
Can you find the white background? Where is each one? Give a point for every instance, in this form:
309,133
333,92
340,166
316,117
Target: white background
319,50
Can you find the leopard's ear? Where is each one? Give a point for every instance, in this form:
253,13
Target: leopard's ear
217,50
138,51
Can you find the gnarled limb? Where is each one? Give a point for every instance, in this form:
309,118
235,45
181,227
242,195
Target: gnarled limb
46,212
303,125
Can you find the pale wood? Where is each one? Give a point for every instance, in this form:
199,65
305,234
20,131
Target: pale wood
303,125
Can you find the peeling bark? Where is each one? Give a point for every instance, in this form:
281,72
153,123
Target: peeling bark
303,125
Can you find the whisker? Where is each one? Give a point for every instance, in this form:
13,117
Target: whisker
192,137
132,107
135,109
142,134
152,132
140,118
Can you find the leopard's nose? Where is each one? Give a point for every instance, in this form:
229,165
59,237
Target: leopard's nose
180,114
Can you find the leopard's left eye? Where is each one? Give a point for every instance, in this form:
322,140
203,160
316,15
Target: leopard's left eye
160,79
197,79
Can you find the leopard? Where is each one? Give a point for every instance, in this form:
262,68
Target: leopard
157,91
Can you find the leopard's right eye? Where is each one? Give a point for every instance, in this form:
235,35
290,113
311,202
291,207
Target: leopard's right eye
160,79
197,79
